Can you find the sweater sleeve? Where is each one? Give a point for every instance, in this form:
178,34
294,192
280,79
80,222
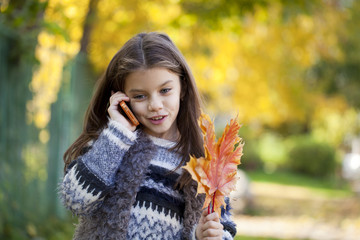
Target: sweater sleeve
229,225
89,178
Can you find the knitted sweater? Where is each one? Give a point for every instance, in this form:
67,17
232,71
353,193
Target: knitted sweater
123,188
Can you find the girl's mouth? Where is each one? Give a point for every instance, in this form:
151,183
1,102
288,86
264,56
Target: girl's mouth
157,119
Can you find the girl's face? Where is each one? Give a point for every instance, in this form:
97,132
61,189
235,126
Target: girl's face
155,100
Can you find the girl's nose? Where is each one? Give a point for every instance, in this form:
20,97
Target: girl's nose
155,104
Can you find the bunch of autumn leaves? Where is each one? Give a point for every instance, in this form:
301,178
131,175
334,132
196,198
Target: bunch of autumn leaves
216,173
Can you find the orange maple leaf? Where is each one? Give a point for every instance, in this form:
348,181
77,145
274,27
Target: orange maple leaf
216,172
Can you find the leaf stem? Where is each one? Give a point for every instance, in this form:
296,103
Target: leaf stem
213,202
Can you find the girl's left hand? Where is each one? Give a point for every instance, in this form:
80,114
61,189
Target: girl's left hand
209,226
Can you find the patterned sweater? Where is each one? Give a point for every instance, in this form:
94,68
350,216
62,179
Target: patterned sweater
157,211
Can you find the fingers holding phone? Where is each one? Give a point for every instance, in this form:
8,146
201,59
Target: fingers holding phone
114,110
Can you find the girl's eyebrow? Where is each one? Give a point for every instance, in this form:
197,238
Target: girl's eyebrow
141,90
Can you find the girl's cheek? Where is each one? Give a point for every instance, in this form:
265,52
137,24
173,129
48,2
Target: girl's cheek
137,108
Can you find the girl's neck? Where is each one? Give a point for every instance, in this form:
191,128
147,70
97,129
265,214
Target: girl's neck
162,142
171,137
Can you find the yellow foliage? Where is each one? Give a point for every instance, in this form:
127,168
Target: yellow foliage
252,65
45,84
4,5
53,51
332,120
117,21
258,71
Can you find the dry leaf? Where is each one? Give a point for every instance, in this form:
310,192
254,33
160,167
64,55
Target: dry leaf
216,172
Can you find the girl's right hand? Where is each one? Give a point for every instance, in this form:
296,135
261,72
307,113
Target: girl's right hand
113,109
209,226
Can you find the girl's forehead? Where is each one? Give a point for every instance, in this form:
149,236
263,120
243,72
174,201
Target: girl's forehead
153,77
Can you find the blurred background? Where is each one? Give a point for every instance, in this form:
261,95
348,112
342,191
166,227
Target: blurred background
289,69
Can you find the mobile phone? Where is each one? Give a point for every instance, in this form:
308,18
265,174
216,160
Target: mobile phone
128,113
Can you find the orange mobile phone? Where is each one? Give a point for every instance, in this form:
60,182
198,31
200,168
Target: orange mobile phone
129,113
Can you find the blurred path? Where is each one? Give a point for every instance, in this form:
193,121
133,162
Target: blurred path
296,228
287,212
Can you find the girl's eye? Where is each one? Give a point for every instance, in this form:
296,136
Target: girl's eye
138,97
165,90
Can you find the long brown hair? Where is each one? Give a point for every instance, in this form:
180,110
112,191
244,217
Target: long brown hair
144,51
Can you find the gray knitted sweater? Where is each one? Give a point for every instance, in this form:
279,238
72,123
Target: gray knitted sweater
123,188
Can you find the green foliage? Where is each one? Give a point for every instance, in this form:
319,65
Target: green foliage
341,76
57,229
267,151
53,228
23,201
212,12
272,150
251,159
24,15
333,186
312,158
54,28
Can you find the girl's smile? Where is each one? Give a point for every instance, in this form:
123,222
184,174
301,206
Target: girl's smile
157,120
155,100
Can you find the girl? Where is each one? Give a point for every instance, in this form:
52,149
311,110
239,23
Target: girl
126,182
